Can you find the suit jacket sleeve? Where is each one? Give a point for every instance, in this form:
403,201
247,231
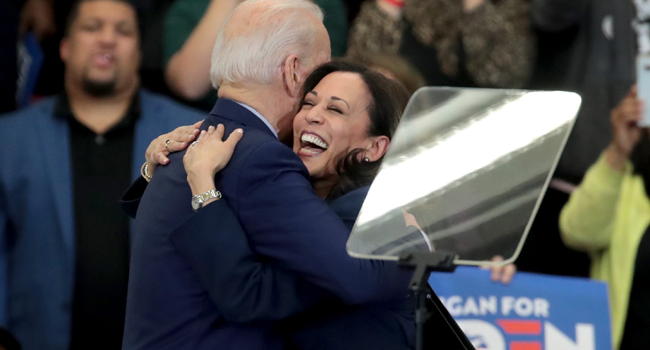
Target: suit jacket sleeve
243,286
131,198
286,222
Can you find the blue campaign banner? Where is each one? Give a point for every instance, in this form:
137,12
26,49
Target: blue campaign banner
534,312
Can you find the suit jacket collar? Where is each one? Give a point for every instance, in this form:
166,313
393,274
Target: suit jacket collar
229,109
55,145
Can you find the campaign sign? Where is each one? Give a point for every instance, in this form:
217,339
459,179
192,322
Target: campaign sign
534,312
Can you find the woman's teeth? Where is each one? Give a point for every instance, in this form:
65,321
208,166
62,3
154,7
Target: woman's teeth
313,139
308,150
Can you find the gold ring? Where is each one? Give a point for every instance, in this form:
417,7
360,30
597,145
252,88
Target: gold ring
167,144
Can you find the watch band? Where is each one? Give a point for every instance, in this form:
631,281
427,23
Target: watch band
199,199
209,195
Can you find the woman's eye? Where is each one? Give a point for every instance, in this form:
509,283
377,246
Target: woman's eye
307,103
335,109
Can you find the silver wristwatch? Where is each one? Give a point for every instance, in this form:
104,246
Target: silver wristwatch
199,199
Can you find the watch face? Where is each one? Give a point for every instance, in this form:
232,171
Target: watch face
195,203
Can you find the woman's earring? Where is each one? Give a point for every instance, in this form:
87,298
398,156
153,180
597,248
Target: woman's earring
366,159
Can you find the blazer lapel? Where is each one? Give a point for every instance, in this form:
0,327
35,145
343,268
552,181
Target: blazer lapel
55,146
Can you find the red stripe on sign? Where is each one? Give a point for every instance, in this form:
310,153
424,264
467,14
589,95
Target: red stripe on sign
525,345
521,327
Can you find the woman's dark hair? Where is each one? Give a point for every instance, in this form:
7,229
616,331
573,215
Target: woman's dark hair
388,100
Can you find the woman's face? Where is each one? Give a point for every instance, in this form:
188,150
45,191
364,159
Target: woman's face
333,121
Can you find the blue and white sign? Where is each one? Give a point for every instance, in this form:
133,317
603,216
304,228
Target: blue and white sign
534,312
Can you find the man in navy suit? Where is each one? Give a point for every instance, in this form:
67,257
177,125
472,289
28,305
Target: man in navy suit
260,60
64,162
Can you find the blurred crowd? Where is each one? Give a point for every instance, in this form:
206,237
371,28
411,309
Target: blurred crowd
592,221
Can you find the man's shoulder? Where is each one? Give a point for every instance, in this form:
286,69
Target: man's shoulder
253,138
17,125
259,146
163,106
41,109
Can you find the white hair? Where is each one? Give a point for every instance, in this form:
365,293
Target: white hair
255,56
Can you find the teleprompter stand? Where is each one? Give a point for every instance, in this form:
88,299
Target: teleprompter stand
433,318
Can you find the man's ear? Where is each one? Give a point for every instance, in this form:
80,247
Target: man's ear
378,148
291,79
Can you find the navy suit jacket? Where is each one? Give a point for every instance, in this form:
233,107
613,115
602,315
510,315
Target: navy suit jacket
268,188
223,259
37,250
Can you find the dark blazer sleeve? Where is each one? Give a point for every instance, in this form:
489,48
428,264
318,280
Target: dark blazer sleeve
286,222
243,286
348,206
131,198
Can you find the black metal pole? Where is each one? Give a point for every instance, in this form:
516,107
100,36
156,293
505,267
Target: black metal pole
421,317
424,263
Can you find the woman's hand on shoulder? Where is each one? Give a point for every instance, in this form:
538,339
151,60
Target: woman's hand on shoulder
208,155
171,142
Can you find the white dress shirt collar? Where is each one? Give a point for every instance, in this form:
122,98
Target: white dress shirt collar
259,116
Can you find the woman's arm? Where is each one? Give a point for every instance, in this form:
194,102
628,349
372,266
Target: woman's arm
587,221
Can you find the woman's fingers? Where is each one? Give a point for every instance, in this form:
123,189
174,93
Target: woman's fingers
232,141
502,273
234,138
161,158
507,273
211,153
218,133
176,146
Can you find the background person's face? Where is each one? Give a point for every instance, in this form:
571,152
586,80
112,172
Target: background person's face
102,50
333,121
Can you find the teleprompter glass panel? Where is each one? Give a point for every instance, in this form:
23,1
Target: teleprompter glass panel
465,174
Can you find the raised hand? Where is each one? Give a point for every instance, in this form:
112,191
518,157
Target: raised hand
627,133
174,141
207,156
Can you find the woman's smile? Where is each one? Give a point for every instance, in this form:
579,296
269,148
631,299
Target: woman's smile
311,144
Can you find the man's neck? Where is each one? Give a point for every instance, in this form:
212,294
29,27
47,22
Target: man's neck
263,98
99,114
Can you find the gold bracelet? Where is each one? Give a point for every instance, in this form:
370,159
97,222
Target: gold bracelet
144,173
